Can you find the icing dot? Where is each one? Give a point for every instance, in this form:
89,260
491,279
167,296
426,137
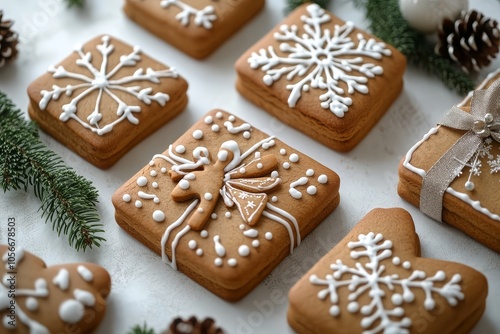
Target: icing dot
192,244
252,233
244,250
311,190
282,151
257,155
204,233
243,170
197,134
156,200
208,196
142,181
246,135
85,273
231,118
158,216
275,174
407,265
323,179
151,163
138,204
127,198
396,260
260,165
294,158
71,311
232,262
268,236
200,210
214,215
209,120
334,311
190,176
310,172
255,243
286,165
199,252
31,304
153,173
180,149
163,170
155,184
242,227
397,299
215,128
218,262
353,307
222,155
274,199
184,184
228,214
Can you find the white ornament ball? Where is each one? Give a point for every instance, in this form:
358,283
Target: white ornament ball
427,15
469,186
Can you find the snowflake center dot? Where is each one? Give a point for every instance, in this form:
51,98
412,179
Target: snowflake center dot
100,81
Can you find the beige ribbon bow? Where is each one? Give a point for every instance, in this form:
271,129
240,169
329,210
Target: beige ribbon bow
482,121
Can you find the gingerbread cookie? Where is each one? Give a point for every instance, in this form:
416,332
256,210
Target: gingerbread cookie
196,27
374,281
226,203
34,298
105,98
322,76
453,172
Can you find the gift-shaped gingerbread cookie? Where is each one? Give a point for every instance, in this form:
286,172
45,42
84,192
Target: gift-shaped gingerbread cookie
196,27
226,203
322,76
34,298
452,174
105,98
374,281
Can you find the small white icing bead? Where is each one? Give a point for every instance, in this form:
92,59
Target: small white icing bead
127,198
198,134
158,216
142,181
180,149
294,157
323,179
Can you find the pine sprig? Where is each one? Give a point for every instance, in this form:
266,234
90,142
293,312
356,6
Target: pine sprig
387,22
67,199
76,3
137,329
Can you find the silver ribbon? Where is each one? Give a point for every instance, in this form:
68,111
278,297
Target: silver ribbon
481,122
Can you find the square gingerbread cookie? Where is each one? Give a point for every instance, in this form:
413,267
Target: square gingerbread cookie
374,281
196,27
226,203
452,174
322,76
105,98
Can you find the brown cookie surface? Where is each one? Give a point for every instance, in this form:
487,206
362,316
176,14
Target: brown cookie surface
322,76
196,27
374,281
105,98
226,203
34,298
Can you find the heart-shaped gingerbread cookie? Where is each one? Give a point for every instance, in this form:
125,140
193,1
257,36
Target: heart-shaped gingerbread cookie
37,299
374,281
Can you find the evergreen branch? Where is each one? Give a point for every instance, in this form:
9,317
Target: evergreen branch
75,3
67,199
387,22
137,329
292,4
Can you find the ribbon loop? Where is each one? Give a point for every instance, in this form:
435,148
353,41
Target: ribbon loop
483,121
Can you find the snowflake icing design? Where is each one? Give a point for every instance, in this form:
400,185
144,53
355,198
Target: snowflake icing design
475,164
322,59
368,279
104,83
201,17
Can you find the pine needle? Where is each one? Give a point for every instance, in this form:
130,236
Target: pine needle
75,3
137,329
387,22
67,199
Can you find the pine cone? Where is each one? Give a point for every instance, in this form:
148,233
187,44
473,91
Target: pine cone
193,326
8,41
471,41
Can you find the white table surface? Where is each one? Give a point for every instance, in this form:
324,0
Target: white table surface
144,289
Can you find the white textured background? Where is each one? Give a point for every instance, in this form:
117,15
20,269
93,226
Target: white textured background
144,289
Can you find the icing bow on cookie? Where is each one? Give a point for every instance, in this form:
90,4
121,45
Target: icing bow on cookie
242,184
